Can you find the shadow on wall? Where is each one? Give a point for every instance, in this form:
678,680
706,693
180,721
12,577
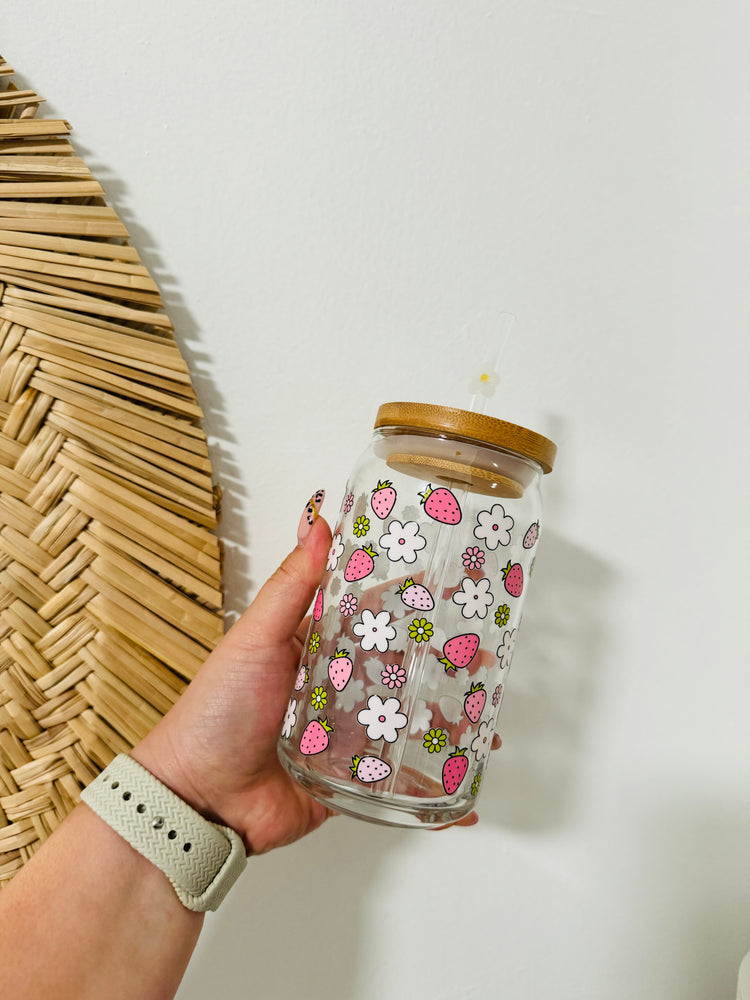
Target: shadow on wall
279,938
232,526
191,342
551,690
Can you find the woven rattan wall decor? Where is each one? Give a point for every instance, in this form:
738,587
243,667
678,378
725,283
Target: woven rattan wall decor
110,572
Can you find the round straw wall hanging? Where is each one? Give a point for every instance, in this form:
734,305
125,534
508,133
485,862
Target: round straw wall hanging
110,576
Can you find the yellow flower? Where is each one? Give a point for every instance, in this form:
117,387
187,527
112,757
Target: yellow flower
314,642
420,630
319,698
435,740
361,526
502,615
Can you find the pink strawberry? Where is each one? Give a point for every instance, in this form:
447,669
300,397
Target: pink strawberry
302,678
369,769
361,564
318,607
529,539
513,579
441,505
414,595
474,702
454,770
340,669
460,651
315,737
383,498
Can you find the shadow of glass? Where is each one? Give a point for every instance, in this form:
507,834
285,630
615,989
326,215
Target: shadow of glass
551,691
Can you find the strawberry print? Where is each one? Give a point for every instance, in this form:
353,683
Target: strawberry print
361,563
318,606
315,737
459,651
474,702
513,579
454,770
303,677
414,595
529,539
441,505
340,669
369,769
383,499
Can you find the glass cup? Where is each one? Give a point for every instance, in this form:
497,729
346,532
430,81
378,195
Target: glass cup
395,704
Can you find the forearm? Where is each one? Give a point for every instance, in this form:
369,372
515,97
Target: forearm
90,918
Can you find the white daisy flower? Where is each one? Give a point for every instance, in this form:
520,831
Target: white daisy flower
335,552
506,647
402,541
374,631
474,598
494,526
382,719
482,742
484,384
290,719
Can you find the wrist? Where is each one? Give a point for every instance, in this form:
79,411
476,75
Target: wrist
201,859
157,753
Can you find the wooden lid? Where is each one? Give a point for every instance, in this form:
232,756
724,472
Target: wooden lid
474,426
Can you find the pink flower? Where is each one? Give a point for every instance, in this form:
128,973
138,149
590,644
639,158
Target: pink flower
473,557
348,605
496,695
393,676
348,502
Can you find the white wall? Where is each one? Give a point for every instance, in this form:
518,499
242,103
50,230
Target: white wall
328,192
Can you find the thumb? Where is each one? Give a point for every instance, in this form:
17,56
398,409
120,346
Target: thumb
274,616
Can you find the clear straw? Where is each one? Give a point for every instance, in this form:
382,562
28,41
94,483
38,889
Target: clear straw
488,339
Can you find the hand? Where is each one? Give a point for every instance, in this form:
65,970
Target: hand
216,748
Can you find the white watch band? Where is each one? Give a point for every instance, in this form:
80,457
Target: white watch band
200,859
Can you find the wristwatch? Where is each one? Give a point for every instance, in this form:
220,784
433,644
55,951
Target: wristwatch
201,859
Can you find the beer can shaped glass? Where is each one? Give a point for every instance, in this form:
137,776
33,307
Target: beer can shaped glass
413,628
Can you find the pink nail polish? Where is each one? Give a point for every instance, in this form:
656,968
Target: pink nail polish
309,515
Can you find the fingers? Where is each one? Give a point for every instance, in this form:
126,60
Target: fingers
471,820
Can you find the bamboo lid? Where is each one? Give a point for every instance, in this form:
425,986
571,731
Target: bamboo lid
472,426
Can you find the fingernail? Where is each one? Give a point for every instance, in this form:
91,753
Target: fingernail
309,516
